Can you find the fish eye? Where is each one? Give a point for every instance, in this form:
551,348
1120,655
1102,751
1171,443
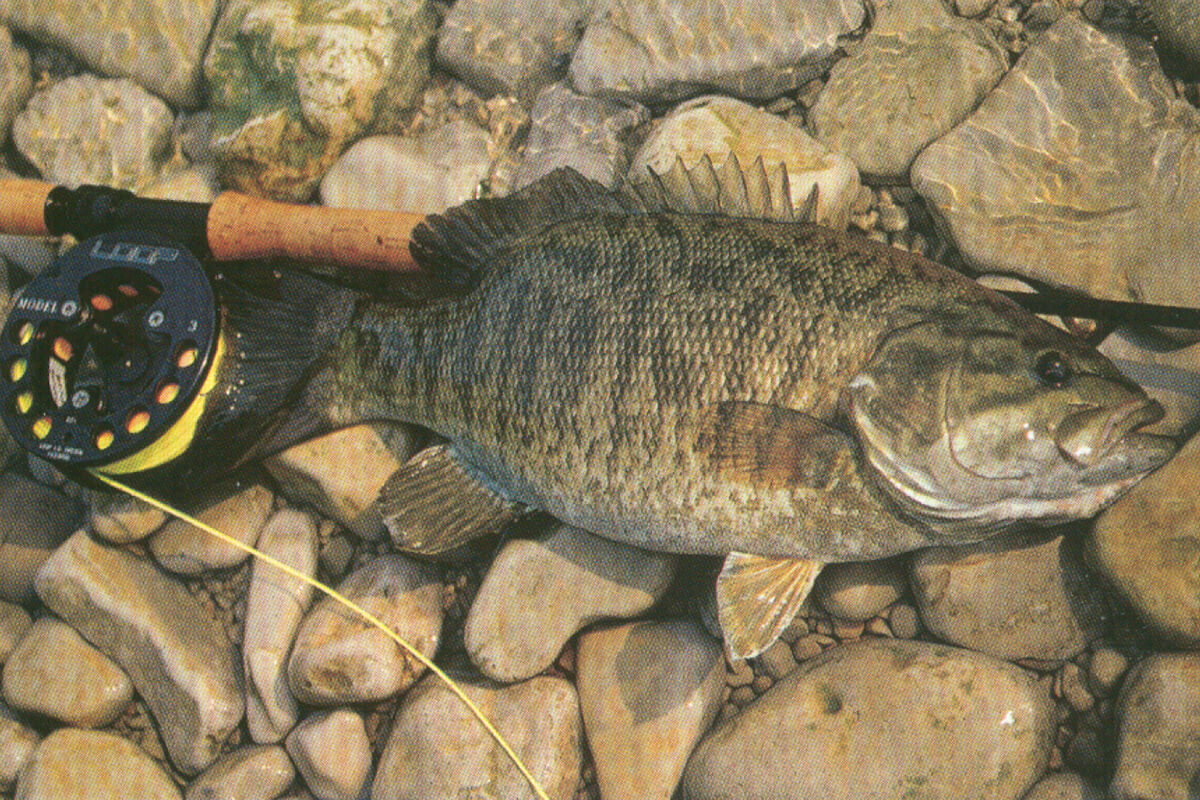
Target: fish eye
1052,368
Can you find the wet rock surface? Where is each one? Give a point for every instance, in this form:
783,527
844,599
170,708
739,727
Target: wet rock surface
666,50
1069,170
973,727
1158,751
16,81
538,594
331,751
257,772
17,743
183,548
917,74
76,763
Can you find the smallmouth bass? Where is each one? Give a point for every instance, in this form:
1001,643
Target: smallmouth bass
775,392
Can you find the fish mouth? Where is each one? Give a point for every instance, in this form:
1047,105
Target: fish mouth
1104,444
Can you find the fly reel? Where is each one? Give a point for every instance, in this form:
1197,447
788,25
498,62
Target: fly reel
105,355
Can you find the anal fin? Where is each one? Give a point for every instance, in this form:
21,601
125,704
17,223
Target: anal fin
758,596
434,503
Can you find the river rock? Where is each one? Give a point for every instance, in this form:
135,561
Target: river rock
56,673
292,83
589,134
71,763
121,518
918,73
661,51
157,44
648,691
499,47
16,81
1177,25
1158,745
717,126
1071,171
429,173
17,743
538,593
332,753
437,750
34,520
193,184
973,727
1148,545
341,472
14,622
86,129
274,608
179,658
858,590
339,657
257,772
1064,786
185,549
1011,597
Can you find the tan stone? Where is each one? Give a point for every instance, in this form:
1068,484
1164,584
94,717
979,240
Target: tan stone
72,764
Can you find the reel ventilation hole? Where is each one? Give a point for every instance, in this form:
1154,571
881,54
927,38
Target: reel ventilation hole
107,349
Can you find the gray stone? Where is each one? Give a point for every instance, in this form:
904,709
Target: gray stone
292,83
71,763
662,51
1158,745
918,73
16,81
589,134
937,722
195,184
121,518
1064,786
17,743
1148,543
777,660
1105,670
157,44
442,167
858,590
648,691
500,47
34,520
56,673
973,8
340,657
275,606
332,753
14,622
1071,171
437,750
1013,597
719,126
235,511
179,658
86,129
257,772
341,473
537,594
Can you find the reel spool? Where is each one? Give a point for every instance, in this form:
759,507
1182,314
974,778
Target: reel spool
105,356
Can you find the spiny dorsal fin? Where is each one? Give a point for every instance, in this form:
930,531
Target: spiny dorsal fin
434,503
729,190
757,597
456,245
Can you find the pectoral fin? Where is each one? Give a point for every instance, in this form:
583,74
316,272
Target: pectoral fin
771,447
757,597
436,502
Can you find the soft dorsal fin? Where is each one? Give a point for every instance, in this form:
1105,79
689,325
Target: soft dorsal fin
457,245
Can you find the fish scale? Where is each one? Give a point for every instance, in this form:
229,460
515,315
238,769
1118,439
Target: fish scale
682,313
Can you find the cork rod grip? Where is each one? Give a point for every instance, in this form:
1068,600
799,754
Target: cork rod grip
244,227
22,207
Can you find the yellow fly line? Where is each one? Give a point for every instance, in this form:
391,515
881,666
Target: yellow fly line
348,603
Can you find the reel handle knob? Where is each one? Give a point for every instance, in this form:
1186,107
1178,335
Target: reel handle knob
244,227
